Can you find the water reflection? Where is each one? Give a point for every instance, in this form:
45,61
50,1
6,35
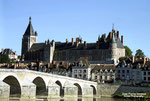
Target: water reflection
68,99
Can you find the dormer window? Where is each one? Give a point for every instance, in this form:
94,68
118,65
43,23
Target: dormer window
106,70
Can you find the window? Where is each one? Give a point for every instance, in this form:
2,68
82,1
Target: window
84,71
105,77
144,73
75,76
123,76
122,71
148,73
118,71
75,71
84,76
144,78
80,75
80,71
127,71
95,77
100,77
148,78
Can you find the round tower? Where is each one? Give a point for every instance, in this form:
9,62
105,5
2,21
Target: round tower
113,48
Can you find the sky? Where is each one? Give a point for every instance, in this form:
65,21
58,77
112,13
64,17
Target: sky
61,19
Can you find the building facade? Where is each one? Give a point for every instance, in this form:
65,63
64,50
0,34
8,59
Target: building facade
82,72
12,55
104,73
107,50
146,74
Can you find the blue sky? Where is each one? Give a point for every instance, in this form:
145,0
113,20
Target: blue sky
61,19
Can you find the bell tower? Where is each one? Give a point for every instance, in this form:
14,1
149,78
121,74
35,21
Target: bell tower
29,38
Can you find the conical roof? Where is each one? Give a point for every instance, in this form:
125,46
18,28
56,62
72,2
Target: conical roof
30,31
113,38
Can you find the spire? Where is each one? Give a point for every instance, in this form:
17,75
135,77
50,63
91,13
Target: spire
30,31
113,27
113,38
30,19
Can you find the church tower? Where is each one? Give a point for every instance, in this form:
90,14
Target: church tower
28,39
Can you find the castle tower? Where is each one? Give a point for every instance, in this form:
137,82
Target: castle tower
29,38
113,47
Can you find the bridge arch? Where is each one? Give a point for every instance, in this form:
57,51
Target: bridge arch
94,90
79,89
61,88
15,87
41,88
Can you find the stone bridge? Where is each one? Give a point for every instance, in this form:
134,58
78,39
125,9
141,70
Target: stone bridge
29,84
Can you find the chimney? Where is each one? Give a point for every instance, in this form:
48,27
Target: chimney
66,41
67,65
77,42
57,65
63,63
133,59
147,59
122,39
118,34
144,60
2,50
72,41
110,35
54,62
104,36
85,44
15,52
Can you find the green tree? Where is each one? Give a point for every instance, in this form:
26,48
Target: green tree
139,53
4,58
128,52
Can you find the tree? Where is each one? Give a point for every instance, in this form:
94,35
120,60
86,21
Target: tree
128,52
139,53
4,58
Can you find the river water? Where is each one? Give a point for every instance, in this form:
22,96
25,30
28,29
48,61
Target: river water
70,99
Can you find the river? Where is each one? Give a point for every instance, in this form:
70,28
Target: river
69,99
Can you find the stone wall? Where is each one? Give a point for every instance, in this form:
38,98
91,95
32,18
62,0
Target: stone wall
112,90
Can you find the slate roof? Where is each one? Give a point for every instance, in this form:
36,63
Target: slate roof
30,31
8,52
104,67
104,44
37,46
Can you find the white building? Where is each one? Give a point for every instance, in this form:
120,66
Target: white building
128,73
81,72
10,53
146,74
103,73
